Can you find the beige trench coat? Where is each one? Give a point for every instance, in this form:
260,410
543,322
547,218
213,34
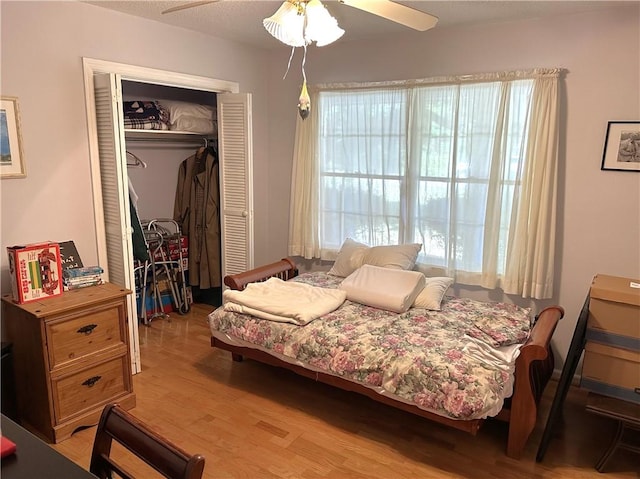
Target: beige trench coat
197,212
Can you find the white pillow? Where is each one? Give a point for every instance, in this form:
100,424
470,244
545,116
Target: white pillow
178,109
383,288
402,256
194,124
434,290
349,258
352,255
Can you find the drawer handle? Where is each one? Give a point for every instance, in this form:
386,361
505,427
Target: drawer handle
92,381
88,329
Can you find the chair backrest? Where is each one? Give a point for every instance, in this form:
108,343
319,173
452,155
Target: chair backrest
159,453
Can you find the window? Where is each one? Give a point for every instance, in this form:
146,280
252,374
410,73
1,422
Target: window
423,165
466,165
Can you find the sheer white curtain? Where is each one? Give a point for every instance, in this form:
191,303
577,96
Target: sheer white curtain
362,148
304,206
466,166
531,252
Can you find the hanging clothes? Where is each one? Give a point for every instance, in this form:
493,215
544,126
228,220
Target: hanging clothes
197,212
137,237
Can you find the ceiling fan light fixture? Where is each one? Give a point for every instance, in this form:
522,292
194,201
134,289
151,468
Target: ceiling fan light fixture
287,24
300,22
321,27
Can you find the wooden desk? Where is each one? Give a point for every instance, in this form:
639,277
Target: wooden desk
36,459
626,414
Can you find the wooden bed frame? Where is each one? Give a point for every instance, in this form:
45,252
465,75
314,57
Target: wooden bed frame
534,367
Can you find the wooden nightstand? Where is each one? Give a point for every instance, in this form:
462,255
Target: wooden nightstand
71,358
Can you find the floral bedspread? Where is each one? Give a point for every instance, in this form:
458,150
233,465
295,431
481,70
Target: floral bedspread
457,362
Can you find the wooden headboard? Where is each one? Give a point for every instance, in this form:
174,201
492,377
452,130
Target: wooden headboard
284,269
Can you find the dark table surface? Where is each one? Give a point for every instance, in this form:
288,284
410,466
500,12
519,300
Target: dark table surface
35,459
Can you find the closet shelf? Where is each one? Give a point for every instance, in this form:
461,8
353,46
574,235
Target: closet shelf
164,135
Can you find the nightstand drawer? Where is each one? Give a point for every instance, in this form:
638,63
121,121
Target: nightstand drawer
86,389
94,330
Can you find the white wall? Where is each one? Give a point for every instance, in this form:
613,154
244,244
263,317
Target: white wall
599,211
41,52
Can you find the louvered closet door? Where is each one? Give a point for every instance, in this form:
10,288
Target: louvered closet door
236,178
115,193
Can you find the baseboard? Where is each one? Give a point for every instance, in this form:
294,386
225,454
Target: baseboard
555,376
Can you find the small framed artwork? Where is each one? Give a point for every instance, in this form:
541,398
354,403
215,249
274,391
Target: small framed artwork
622,146
12,156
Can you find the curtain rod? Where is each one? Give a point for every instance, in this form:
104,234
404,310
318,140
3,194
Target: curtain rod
454,79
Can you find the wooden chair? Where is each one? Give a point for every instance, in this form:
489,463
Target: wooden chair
165,457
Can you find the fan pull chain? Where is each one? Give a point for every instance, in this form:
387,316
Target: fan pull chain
304,102
304,60
293,50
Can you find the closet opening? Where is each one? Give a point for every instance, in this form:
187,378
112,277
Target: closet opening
175,198
113,145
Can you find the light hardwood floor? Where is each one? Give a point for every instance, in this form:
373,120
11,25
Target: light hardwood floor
250,420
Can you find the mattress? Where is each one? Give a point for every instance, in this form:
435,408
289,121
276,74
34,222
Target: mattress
458,362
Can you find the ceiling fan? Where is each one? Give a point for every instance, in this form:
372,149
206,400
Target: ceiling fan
299,23
388,9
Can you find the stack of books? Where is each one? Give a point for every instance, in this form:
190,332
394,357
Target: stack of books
75,278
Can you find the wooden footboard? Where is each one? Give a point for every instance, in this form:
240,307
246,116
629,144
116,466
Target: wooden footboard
534,367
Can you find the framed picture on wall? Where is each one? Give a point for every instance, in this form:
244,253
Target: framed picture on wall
622,146
12,159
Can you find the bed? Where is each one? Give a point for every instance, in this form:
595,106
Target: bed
437,368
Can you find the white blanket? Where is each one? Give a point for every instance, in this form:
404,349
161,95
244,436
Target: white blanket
284,301
383,288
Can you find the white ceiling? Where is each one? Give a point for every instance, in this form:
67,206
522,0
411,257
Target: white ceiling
241,20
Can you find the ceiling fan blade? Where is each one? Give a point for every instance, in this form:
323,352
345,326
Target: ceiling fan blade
184,6
395,12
